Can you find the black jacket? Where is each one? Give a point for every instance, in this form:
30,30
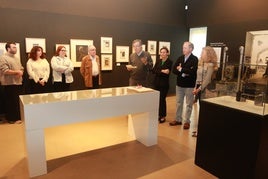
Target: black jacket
187,76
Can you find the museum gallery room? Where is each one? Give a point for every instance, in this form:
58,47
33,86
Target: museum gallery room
113,131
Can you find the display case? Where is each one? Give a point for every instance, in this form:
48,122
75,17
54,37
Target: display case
244,83
232,140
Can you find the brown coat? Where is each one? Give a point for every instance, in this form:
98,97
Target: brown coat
86,70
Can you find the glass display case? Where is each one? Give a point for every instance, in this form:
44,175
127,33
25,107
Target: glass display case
243,84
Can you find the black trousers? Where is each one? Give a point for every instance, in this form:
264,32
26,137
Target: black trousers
95,82
2,100
12,104
162,101
37,87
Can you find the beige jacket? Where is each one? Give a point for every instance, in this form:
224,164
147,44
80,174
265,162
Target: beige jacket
86,70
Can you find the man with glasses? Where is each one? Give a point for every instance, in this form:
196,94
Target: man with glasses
140,66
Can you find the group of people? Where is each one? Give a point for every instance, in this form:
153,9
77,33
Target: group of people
38,70
193,76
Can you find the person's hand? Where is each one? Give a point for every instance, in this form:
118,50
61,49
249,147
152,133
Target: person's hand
19,73
144,60
42,82
179,67
166,71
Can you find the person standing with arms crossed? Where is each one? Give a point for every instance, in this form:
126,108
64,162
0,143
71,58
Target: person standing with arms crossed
12,72
185,68
162,71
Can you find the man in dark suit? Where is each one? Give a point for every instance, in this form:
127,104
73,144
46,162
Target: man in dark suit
185,68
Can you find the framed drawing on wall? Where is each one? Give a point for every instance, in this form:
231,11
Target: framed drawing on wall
67,47
31,42
122,53
3,49
163,44
106,44
151,47
106,62
79,49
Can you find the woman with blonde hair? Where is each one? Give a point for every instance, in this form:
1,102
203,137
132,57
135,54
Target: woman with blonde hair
207,68
206,72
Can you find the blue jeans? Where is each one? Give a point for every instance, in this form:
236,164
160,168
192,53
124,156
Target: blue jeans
180,94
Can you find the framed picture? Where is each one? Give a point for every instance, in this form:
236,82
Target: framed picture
151,47
79,49
31,42
106,44
106,62
3,49
164,44
67,47
122,53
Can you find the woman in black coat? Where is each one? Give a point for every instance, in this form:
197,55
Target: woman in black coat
162,71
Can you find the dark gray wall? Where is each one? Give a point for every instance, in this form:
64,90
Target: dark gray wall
228,21
59,21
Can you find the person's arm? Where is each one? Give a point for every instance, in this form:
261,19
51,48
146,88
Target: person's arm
176,67
30,71
47,71
82,67
207,79
70,67
55,66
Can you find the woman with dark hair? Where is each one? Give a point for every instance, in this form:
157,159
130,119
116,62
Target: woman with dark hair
38,70
162,70
62,68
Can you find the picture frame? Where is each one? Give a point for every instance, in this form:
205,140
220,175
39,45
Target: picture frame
67,47
3,49
79,49
122,53
163,44
151,47
106,62
106,44
31,42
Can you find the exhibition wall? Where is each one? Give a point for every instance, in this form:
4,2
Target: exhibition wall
60,21
228,21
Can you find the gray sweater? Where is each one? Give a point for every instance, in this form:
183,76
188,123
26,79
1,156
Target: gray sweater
10,62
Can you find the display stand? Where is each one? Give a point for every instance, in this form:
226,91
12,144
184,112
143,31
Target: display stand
232,139
41,111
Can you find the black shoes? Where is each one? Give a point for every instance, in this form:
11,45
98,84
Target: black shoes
175,123
162,120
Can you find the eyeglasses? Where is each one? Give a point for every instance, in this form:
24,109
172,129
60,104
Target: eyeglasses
63,50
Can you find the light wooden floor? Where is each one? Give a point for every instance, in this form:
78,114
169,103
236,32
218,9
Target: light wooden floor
71,139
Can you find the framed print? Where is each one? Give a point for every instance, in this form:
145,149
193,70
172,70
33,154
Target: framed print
79,49
106,44
151,47
122,53
31,42
67,47
3,49
106,62
163,44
